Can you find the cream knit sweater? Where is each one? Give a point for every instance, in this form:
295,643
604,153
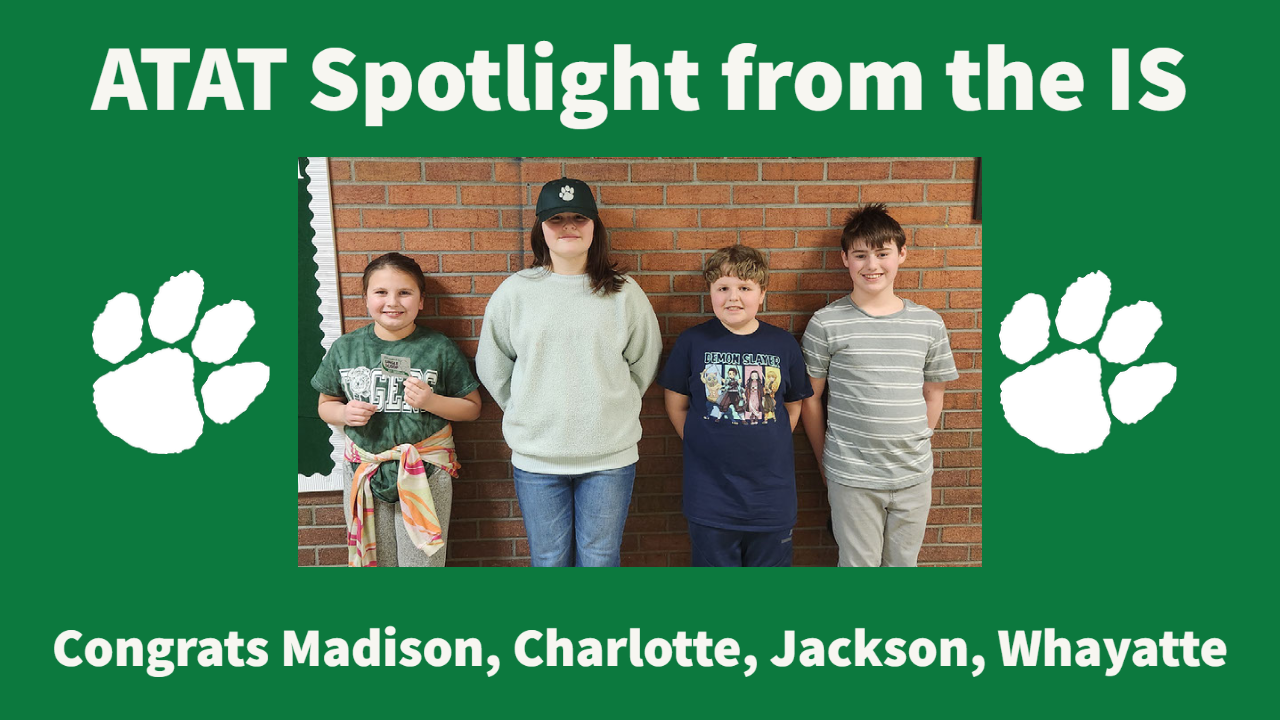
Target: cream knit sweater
568,368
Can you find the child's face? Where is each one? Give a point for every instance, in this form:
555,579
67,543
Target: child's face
736,301
394,300
873,271
568,236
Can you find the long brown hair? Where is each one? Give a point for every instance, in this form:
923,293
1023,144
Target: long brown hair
606,279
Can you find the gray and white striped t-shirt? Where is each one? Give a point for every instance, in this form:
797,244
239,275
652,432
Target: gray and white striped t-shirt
876,367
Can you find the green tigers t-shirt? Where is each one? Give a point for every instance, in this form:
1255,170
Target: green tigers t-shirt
352,369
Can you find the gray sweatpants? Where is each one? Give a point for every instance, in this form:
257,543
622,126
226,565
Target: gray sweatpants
879,528
395,549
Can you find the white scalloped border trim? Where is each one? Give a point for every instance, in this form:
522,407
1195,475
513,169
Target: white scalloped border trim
326,258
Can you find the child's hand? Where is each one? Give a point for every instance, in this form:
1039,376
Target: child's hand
356,413
417,393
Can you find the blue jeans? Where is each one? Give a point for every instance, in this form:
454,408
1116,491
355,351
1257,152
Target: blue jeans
575,519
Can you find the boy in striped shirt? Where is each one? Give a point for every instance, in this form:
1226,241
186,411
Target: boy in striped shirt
886,360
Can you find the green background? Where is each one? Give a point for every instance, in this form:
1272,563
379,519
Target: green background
1166,527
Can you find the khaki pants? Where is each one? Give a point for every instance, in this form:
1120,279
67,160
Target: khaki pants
395,549
879,528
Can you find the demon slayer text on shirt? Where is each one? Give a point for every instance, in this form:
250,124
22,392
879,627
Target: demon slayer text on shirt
739,468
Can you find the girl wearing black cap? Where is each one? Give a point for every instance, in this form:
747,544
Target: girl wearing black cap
567,349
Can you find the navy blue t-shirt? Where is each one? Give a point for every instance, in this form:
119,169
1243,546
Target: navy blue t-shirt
739,470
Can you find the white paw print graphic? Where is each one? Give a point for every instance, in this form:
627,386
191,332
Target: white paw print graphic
566,193
151,402
1057,403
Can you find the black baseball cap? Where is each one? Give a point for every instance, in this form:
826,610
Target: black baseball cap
566,195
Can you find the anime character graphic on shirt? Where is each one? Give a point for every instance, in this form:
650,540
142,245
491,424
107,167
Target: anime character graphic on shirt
731,403
711,381
753,395
772,381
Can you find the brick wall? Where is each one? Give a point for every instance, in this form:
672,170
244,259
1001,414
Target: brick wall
466,221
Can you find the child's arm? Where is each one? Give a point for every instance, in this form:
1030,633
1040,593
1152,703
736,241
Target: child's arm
421,396
677,409
793,412
933,392
342,412
814,416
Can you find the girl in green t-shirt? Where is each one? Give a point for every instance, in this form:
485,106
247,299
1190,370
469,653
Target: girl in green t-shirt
394,386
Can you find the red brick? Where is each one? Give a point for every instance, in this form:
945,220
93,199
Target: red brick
960,215
359,194
792,302
501,240
496,262
673,304
826,281
661,172
924,257
962,535
829,237
892,193
356,263
454,171
966,299
466,218
339,170
942,553
502,528
858,171
763,194
330,516
906,170
793,171
706,239
672,261
424,195
666,218
306,557
390,171
649,240
368,241
492,195
480,549
732,217
965,169
613,218
698,195
691,283
955,320
534,172
829,194
960,258
795,259
397,218
948,516
322,536
428,263
437,241
918,215
448,285
728,171
965,340
950,192
462,306
962,420
630,195
768,238
944,236
795,217
593,172
653,283
346,218
953,278
329,557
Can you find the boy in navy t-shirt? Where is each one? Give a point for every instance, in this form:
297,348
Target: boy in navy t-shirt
734,388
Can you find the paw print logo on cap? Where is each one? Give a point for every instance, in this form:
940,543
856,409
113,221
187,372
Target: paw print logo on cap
566,193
